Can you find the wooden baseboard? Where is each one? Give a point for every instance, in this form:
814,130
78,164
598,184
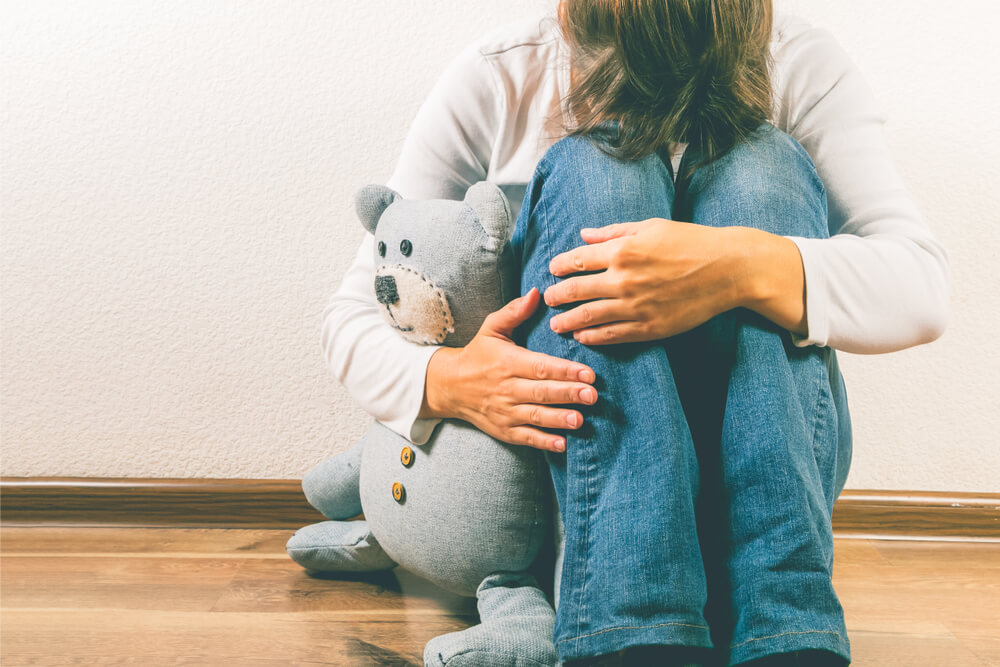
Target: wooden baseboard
236,503
917,515
279,503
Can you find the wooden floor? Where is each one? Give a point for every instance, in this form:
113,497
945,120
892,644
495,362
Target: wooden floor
158,596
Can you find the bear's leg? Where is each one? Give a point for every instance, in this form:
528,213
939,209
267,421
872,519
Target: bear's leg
515,629
338,546
331,486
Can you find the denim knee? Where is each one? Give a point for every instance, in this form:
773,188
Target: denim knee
600,185
768,182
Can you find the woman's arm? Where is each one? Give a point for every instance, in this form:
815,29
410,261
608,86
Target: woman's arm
881,283
776,283
658,278
502,388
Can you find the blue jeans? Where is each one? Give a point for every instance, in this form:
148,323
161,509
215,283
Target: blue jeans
697,497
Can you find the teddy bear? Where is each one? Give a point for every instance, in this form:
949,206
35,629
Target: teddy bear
464,510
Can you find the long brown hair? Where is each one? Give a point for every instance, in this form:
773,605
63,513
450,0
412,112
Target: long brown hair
669,71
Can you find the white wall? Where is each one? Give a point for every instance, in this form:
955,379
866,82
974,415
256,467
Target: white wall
176,202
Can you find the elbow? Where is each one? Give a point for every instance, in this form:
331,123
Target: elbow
933,323
326,342
346,324
333,319
936,313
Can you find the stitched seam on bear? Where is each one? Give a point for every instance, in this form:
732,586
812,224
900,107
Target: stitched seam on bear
329,546
449,321
520,658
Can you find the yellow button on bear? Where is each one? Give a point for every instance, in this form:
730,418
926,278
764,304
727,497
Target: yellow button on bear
398,492
406,456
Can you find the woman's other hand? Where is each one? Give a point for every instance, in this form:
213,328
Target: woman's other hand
658,278
505,390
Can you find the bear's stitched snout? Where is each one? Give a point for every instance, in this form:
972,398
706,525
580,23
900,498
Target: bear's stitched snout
413,304
385,290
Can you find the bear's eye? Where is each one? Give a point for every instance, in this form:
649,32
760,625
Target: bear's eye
381,248
405,247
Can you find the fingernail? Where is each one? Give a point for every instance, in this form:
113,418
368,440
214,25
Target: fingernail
571,419
554,324
586,375
588,395
559,445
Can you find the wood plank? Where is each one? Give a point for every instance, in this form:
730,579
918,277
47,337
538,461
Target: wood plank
108,596
934,591
966,555
172,638
856,553
177,584
983,639
78,540
884,649
277,586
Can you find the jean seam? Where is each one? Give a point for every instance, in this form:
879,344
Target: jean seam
631,627
821,408
818,415
550,281
785,634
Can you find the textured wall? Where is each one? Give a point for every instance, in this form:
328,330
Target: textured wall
176,184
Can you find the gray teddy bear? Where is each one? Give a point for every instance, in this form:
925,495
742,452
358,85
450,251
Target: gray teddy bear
464,510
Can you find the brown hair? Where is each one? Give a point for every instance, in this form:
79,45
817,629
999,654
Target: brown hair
669,71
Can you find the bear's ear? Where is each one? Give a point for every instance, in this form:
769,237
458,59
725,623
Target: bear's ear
490,204
370,202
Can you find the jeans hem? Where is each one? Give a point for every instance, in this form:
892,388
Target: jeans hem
609,640
786,642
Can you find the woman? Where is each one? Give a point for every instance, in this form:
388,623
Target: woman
704,449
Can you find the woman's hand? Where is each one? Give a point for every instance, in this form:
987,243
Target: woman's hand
658,278
504,389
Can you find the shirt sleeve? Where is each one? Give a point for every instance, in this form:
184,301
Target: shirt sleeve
448,148
881,282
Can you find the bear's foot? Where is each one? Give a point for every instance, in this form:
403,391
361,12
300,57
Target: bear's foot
338,546
496,644
516,629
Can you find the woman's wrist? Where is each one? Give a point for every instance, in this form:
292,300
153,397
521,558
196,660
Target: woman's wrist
771,277
436,403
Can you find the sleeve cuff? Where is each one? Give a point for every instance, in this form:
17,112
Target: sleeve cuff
421,430
817,320
407,424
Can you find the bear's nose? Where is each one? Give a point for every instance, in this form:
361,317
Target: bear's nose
385,290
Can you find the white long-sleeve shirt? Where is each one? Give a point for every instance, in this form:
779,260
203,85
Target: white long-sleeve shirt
881,282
